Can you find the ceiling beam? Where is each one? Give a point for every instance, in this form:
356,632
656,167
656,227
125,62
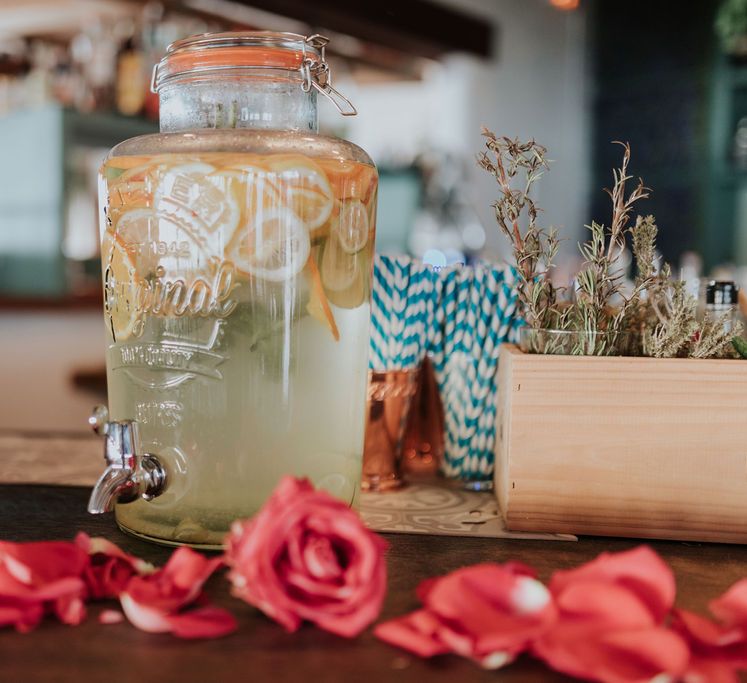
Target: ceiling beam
414,26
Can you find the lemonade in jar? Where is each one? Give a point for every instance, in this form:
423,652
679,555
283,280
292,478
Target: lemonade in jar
237,250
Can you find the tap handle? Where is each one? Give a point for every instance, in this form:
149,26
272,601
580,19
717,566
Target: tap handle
129,475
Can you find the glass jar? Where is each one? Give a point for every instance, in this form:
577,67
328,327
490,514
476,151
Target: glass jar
237,251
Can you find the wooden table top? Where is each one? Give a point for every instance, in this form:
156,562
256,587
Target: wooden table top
260,649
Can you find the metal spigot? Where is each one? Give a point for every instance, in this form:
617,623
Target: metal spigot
128,475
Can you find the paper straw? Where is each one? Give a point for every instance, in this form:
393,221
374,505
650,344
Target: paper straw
402,311
475,313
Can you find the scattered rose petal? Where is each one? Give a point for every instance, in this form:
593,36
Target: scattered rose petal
109,568
718,649
154,602
731,607
111,616
610,621
488,612
640,570
39,578
416,632
205,622
307,556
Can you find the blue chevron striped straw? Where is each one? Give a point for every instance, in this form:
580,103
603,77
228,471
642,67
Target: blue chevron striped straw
402,312
476,311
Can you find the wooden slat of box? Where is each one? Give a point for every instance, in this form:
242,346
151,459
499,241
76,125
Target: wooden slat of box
652,448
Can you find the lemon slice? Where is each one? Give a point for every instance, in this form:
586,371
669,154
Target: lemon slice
201,205
120,288
256,192
275,247
352,226
345,276
305,189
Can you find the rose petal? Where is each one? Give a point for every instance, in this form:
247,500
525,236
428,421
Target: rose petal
176,584
731,607
604,605
110,568
615,657
23,616
639,570
708,671
145,618
415,632
70,610
206,622
498,610
190,570
41,577
111,616
39,563
714,647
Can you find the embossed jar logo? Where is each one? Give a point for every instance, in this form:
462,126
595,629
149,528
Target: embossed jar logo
164,273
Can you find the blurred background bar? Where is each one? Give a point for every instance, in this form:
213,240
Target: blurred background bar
425,75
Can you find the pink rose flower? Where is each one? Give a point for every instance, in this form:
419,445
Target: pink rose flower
39,578
156,602
307,556
610,621
488,612
109,568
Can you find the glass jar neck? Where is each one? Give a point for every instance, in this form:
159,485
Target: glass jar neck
262,102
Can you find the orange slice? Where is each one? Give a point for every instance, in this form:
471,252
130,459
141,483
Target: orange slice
350,179
304,188
137,230
124,163
128,195
120,288
352,226
318,305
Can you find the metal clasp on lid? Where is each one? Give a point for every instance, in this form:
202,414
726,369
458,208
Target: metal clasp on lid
316,74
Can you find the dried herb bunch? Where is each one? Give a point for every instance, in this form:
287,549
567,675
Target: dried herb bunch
516,167
603,314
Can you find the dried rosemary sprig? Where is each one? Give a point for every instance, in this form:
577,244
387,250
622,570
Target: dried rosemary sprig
516,166
602,310
676,323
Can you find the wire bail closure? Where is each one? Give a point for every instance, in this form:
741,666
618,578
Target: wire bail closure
315,73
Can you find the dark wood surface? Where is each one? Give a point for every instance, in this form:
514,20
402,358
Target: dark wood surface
261,650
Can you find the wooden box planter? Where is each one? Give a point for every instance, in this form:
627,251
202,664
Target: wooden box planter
643,447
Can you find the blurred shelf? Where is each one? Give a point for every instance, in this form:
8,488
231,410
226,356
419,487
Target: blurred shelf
54,153
90,300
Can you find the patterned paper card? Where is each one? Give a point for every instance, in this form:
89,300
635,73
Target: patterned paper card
441,509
